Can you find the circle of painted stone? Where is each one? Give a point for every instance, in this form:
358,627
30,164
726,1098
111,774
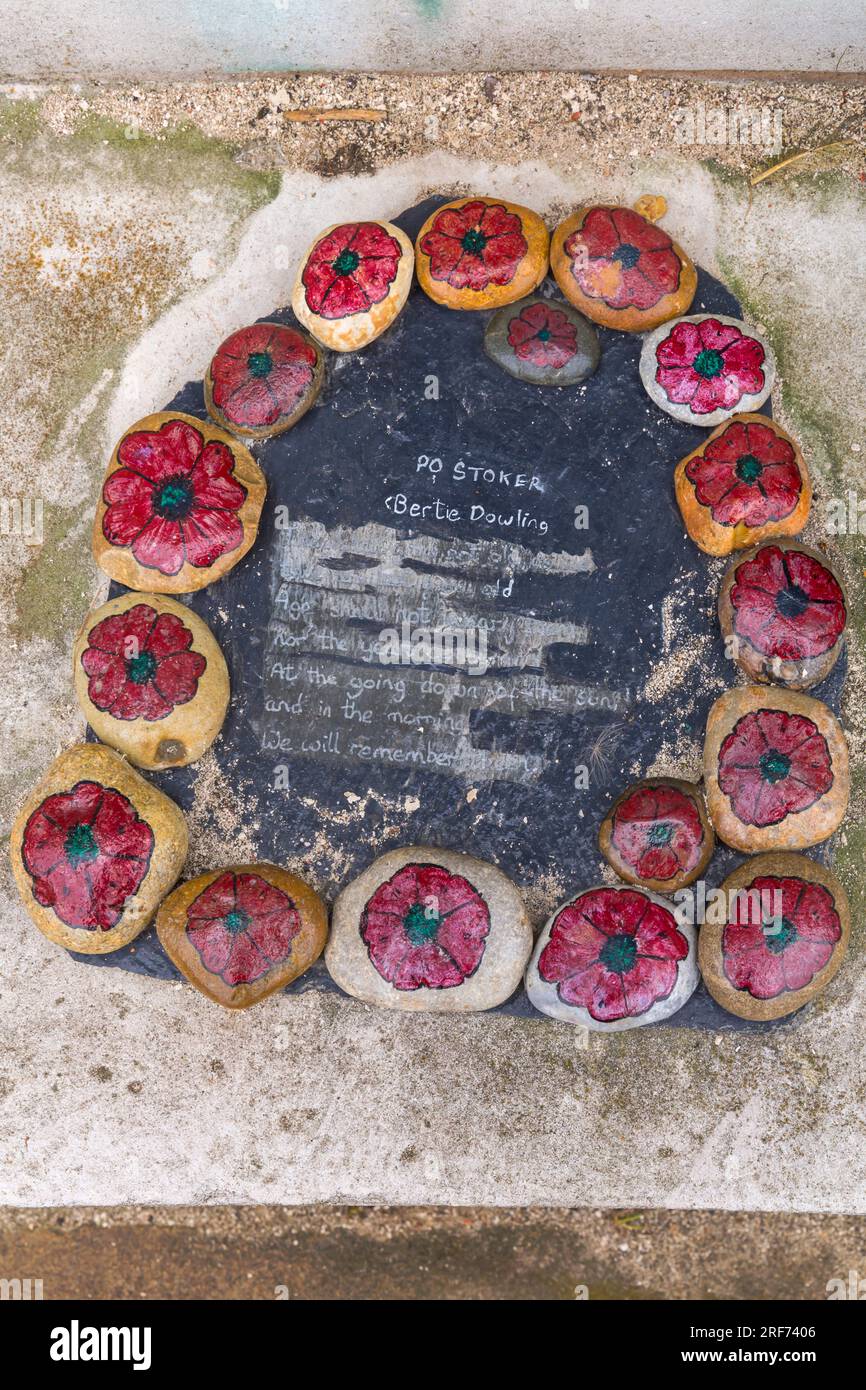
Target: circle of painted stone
775,769
748,481
657,834
353,282
783,611
240,933
704,367
620,269
151,680
179,507
429,929
543,342
94,849
785,936
480,253
263,379
611,959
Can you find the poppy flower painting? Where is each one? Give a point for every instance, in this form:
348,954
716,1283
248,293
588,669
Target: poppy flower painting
425,928
543,335
657,833
787,604
768,954
242,927
709,365
139,664
350,269
772,765
747,476
623,259
261,377
474,246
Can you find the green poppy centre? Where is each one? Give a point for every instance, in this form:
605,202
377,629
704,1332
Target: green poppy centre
236,921
420,924
661,833
618,953
346,262
779,935
260,363
543,335
774,765
748,468
474,242
708,363
627,255
80,845
142,668
174,499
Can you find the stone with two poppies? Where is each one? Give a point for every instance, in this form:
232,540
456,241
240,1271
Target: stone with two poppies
775,769
481,253
612,959
783,939
353,282
179,507
783,612
94,850
657,834
544,342
703,368
263,379
429,929
150,679
242,932
747,482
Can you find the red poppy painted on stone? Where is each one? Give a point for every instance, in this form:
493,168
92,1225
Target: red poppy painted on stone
425,928
787,604
350,269
657,831
709,365
623,259
748,476
139,664
476,245
773,764
242,927
87,851
543,335
261,374
613,952
173,499
781,934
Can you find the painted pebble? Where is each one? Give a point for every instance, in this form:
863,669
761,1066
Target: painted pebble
426,928
94,850
151,680
611,959
775,769
747,482
702,368
481,253
543,342
262,379
784,940
180,505
353,282
658,834
240,933
619,269
783,610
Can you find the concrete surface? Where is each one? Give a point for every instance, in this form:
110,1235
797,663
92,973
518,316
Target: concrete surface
430,1253
115,39
140,226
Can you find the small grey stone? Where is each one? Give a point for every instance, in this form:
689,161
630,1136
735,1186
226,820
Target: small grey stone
545,994
702,363
431,929
542,341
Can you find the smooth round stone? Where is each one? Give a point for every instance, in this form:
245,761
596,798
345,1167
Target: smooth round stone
151,680
94,850
783,610
658,834
262,379
747,482
353,282
179,507
429,929
611,959
240,933
775,769
543,342
784,940
619,269
481,253
703,368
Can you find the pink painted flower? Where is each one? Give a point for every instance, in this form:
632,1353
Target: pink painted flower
781,934
140,665
787,605
748,476
242,927
621,258
350,270
658,832
261,374
709,365
772,765
543,335
474,246
425,927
